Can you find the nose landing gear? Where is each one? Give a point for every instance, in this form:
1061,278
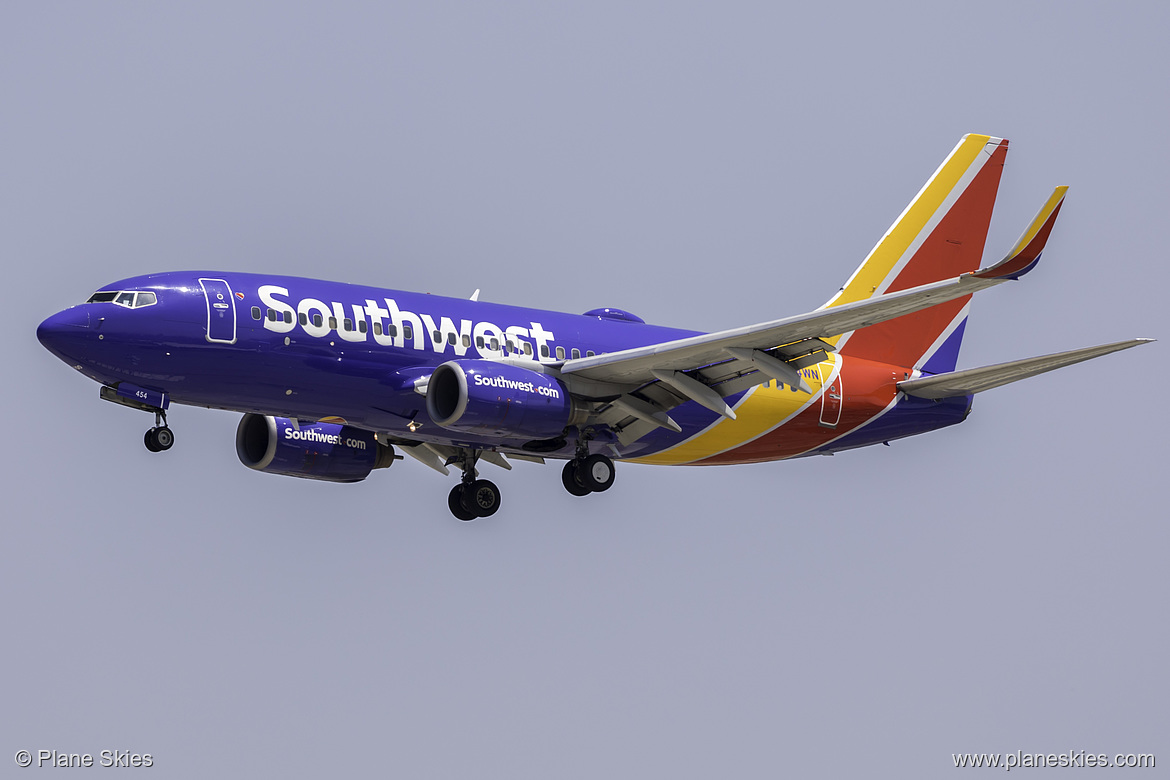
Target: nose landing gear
160,438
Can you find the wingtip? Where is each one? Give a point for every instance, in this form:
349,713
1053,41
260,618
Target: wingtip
1026,253
1117,346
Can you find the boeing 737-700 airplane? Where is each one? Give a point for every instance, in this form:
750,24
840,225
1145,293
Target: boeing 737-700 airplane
335,379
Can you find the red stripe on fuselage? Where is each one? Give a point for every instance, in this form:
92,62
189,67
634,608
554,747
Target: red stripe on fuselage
868,388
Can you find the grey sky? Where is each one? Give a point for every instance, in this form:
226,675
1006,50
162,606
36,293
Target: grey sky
996,586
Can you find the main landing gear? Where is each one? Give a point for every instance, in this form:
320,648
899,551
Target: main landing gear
160,438
473,497
590,474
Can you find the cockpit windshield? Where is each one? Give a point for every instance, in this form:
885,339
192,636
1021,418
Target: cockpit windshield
131,299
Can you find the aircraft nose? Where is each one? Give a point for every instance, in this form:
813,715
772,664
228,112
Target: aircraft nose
61,330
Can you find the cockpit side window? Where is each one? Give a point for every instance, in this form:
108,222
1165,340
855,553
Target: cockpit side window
128,298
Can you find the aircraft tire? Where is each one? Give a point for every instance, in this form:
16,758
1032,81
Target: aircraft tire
148,440
481,498
455,504
596,473
164,438
569,480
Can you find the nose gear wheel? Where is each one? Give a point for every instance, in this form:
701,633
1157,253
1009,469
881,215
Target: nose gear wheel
160,438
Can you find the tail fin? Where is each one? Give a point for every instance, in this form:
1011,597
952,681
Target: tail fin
939,236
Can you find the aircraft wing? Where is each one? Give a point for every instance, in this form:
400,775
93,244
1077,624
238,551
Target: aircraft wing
787,337
709,367
976,380
635,366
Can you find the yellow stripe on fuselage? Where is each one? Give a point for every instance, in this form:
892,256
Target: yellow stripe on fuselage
764,408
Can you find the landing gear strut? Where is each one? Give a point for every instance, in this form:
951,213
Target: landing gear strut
472,497
160,438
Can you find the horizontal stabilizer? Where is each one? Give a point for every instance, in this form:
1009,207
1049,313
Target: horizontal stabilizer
976,380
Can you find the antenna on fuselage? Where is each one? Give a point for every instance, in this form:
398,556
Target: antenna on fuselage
475,295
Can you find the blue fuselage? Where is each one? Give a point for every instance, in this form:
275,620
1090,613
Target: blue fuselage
310,349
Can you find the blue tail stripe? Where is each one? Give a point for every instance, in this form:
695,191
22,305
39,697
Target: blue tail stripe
946,357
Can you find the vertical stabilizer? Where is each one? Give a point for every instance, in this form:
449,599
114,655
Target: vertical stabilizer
940,235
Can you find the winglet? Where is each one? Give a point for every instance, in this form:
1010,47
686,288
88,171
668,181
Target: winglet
1026,253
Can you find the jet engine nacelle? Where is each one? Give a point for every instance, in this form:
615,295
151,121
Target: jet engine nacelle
497,399
325,451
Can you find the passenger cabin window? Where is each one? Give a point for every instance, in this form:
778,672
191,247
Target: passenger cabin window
527,349
576,353
392,331
272,315
255,312
479,342
362,327
317,320
347,324
466,340
288,317
378,328
451,339
544,350
589,353
303,318
560,353
407,332
332,323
